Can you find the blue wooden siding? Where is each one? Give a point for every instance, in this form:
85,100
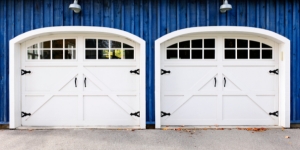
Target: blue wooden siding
149,19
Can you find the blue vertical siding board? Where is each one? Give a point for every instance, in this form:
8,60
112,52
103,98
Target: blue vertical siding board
202,15
117,9
241,13
162,18
87,13
18,18
232,14
37,14
137,17
272,15
67,14
251,13
57,13
280,11
132,16
213,13
106,9
192,11
47,13
96,15
262,17
172,17
182,13
127,16
2,70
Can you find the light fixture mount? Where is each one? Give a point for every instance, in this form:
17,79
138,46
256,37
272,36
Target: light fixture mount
225,7
75,7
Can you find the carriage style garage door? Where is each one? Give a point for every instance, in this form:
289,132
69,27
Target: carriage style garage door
219,80
80,81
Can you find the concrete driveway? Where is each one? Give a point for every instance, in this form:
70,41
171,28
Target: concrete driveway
85,139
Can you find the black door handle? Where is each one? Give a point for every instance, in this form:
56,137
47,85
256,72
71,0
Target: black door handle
215,81
224,81
84,82
75,82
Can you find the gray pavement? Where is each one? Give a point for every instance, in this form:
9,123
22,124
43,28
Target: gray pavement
85,139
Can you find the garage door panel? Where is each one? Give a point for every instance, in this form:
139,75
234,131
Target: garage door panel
130,100
116,78
71,86
197,108
45,78
229,86
210,86
90,86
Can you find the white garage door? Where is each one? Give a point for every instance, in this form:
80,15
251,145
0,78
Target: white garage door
80,81
219,81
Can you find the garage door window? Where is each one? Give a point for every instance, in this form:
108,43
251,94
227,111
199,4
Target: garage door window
246,49
58,49
192,49
107,49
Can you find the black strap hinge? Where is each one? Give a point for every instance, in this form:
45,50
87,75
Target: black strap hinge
24,114
135,114
137,71
24,72
165,114
276,71
164,71
276,113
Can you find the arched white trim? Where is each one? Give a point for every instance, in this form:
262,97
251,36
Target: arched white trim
15,70
284,63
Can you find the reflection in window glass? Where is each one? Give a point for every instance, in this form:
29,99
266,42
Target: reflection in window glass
242,54
57,54
90,43
103,43
70,43
115,44
242,43
196,54
103,54
45,54
32,54
229,54
128,54
33,46
197,43
70,54
173,46
116,54
184,54
126,46
254,44
266,54
265,46
209,54
255,54
172,54
45,44
90,54
57,44
185,44
229,43
209,43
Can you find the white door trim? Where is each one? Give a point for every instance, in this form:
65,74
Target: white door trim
15,64
284,63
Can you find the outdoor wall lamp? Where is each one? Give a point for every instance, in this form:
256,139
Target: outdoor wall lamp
225,7
75,7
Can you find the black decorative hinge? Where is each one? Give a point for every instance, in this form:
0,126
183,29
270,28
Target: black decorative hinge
24,114
24,72
276,71
164,71
165,114
137,71
276,113
135,114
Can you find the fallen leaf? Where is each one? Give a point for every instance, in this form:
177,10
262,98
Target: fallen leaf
282,129
165,128
287,137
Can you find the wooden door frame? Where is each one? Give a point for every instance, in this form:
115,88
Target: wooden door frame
284,63
15,64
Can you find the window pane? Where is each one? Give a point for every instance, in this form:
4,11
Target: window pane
126,46
57,44
128,54
209,54
115,44
45,44
229,54
197,43
45,54
254,54
266,54
70,43
209,43
185,44
184,54
229,43
116,54
103,54
173,46
254,44
196,54
242,54
33,46
70,54
171,54
57,54
90,54
265,46
32,54
242,43
103,44
90,43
